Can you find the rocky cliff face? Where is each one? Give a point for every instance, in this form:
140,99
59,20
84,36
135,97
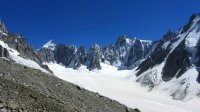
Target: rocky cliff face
94,57
80,58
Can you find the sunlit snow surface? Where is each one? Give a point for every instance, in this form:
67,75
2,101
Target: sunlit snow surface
121,86
50,45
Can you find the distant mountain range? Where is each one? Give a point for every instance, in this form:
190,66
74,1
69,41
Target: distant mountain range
175,58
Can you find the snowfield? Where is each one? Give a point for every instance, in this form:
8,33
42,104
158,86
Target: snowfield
121,86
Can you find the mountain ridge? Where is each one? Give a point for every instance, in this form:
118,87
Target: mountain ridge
117,54
174,57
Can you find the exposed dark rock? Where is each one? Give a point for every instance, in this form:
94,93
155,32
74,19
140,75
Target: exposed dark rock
135,53
109,54
136,110
47,55
47,68
64,54
80,57
121,41
159,53
94,57
178,60
186,27
4,52
3,28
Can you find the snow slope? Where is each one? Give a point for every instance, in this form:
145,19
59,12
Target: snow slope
14,55
121,86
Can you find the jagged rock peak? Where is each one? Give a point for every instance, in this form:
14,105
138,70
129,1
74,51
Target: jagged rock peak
50,45
123,40
129,41
95,47
194,19
3,27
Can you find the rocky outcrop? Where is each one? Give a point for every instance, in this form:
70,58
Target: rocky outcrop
80,58
47,55
108,55
64,54
94,58
178,60
138,51
4,52
3,29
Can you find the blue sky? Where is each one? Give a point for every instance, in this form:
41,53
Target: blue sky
85,22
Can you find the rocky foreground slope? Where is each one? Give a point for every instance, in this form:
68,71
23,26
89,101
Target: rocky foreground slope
25,89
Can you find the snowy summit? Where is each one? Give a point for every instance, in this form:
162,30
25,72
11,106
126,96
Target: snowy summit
50,45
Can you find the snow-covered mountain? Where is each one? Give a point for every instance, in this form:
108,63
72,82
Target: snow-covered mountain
170,64
175,59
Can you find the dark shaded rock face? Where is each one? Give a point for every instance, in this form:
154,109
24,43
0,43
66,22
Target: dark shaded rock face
69,56
138,51
178,60
109,54
127,51
135,53
4,52
47,55
198,60
159,53
94,58
122,47
188,26
121,41
80,57
64,54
